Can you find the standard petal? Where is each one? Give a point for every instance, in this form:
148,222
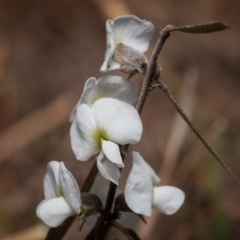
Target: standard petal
167,199
109,63
137,158
112,152
118,88
108,169
131,31
139,191
89,85
69,188
107,87
83,143
119,120
54,211
51,182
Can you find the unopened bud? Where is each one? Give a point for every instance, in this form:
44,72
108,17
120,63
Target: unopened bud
132,61
91,205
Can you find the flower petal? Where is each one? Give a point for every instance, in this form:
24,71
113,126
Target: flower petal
139,190
108,87
54,211
131,31
51,182
118,88
109,63
107,169
167,199
137,158
119,120
112,152
81,134
70,188
90,84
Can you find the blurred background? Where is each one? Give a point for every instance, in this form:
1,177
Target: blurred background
49,48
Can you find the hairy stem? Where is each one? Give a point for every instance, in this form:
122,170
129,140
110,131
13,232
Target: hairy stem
164,34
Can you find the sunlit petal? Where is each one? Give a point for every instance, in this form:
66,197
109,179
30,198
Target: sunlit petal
139,190
137,158
51,180
120,120
107,169
118,88
112,152
168,199
82,134
109,62
89,85
107,87
54,211
131,31
70,188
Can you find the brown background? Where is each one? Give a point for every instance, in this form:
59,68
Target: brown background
48,48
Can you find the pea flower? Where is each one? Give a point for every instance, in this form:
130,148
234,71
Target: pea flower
98,129
107,87
62,195
127,38
141,192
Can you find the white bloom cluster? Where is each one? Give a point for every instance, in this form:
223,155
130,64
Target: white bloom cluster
103,119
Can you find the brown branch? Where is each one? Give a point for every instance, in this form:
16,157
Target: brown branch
164,34
165,89
147,87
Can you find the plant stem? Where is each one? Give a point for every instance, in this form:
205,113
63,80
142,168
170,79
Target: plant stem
146,88
164,34
166,91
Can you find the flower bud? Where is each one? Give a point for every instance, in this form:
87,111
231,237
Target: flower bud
91,205
132,61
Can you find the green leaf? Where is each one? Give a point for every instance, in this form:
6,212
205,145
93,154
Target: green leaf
132,235
202,28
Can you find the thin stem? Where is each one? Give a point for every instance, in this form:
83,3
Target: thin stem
90,178
121,228
164,34
110,196
58,232
165,89
113,186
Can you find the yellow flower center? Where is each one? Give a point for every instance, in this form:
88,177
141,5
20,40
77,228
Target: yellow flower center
117,39
99,134
60,192
96,96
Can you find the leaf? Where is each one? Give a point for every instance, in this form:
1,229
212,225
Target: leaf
132,235
202,28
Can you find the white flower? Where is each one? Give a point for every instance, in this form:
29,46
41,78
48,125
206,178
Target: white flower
107,87
62,195
141,192
100,128
131,32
